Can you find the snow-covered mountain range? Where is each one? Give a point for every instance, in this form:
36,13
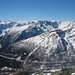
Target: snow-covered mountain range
42,41
22,30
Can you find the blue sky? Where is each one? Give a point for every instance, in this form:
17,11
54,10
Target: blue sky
60,10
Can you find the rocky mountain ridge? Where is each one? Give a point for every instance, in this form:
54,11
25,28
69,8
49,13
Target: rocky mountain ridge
41,41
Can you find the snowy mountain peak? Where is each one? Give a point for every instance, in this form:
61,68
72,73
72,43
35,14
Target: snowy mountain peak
23,22
35,21
2,22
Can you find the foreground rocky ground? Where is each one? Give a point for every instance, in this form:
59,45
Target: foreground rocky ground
19,72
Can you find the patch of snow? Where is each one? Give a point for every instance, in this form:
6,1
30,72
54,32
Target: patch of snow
73,74
18,58
41,74
55,70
